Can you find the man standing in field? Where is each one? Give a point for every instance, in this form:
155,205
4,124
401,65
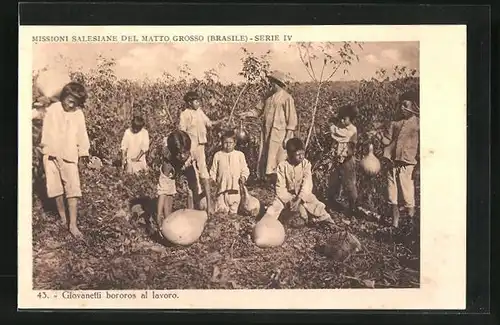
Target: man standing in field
280,122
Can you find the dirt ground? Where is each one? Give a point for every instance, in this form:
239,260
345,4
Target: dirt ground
120,253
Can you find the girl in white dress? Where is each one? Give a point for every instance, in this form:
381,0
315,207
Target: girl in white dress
229,168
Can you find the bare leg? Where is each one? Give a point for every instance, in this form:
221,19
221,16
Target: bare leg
167,207
395,215
349,183
159,209
190,202
335,183
73,213
207,190
61,208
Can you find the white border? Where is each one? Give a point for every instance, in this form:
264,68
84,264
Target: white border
443,163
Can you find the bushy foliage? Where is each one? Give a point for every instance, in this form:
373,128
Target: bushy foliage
112,102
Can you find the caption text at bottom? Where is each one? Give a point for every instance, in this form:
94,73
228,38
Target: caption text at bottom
107,295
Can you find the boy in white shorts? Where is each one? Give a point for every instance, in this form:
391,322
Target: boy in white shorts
64,142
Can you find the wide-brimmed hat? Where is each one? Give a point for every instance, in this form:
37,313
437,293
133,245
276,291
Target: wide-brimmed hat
277,76
413,97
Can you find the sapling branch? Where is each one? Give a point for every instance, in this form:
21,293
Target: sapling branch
306,65
313,114
236,102
310,64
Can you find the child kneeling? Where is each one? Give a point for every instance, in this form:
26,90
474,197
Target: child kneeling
294,186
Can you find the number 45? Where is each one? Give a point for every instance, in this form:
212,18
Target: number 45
42,295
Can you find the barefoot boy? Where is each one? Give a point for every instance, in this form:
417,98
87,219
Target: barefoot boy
401,141
64,141
345,135
194,122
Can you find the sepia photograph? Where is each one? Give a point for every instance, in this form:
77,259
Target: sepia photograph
225,165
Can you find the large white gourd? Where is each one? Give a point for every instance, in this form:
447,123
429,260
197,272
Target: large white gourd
370,163
249,205
184,227
51,82
268,232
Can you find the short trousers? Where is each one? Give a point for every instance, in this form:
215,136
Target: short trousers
62,177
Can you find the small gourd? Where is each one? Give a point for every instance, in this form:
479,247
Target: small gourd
184,227
249,205
51,82
241,134
370,163
268,232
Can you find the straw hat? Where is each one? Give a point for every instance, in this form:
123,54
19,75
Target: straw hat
277,76
413,97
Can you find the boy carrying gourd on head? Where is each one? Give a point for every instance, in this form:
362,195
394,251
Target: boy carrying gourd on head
401,142
294,186
194,122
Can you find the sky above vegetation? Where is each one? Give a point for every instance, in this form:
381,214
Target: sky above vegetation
139,61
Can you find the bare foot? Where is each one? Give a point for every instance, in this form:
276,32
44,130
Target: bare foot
64,221
76,232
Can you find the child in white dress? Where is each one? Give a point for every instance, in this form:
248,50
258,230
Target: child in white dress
134,146
229,168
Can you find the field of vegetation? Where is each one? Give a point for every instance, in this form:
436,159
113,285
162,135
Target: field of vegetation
121,253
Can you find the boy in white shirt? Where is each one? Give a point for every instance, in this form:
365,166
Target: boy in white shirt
64,141
134,146
294,186
229,169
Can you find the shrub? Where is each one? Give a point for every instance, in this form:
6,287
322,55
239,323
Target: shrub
112,102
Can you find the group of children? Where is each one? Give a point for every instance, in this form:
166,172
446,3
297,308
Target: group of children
65,142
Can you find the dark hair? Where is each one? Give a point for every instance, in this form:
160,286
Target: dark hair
349,111
76,90
294,145
228,134
412,96
138,121
191,96
178,141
